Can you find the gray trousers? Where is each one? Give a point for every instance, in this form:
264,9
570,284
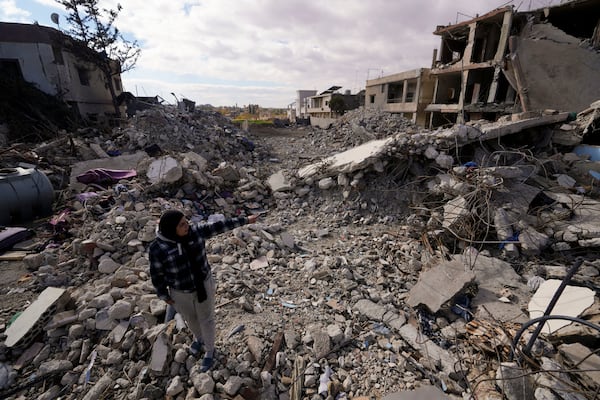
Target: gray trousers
200,317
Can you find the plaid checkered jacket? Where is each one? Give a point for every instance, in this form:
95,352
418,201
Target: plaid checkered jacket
170,266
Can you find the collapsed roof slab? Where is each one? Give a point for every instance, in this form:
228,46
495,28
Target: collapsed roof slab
360,157
349,160
557,71
498,129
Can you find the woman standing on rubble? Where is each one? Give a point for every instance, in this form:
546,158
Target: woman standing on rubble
182,276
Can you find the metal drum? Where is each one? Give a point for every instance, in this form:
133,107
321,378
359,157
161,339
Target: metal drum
25,194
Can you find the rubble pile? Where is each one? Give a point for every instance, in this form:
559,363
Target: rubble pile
360,125
403,259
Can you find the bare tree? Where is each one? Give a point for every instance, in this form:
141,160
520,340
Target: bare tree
93,29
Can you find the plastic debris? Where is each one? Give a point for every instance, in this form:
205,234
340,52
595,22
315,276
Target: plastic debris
324,381
88,370
235,330
381,329
288,304
462,306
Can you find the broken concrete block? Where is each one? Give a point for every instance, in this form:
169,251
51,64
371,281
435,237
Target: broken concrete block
256,346
440,284
558,380
165,169
421,393
444,161
436,355
572,302
326,183
278,182
107,266
492,275
431,153
587,362
454,211
533,242
514,382
160,353
565,181
227,171
259,263
203,383
369,309
502,224
31,322
196,159
98,150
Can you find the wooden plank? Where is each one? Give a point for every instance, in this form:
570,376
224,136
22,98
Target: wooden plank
297,379
274,350
13,256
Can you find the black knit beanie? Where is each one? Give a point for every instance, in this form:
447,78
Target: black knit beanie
168,224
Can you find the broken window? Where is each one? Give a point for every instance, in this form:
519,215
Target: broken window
411,91
84,76
448,88
11,69
372,98
478,85
395,92
453,47
487,38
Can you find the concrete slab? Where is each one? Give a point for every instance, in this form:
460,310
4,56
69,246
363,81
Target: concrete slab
422,393
278,182
581,356
349,160
585,216
572,302
165,169
498,129
160,353
440,284
455,210
518,195
425,346
31,322
493,276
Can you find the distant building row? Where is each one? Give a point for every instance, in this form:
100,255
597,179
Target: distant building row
495,64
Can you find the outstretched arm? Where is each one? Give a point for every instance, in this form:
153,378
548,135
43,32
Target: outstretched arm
209,230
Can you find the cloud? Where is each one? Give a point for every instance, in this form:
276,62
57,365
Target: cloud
10,12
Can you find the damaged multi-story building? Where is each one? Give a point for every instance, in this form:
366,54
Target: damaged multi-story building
43,56
407,93
500,63
320,110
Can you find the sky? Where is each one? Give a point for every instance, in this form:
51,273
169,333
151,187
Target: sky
239,52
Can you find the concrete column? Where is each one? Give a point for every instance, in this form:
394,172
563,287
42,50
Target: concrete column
500,52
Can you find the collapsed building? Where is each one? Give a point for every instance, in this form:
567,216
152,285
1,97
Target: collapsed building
390,260
502,62
56,65
378,250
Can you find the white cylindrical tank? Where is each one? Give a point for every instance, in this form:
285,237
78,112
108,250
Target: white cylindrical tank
25,194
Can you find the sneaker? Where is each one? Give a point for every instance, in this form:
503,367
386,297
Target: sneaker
207,363
196,347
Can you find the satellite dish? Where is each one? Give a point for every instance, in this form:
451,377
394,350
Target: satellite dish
54,18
